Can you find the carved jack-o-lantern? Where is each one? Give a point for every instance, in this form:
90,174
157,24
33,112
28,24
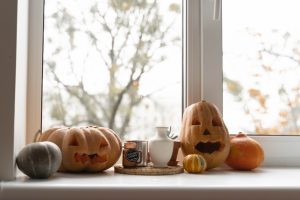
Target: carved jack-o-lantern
91,149
204,132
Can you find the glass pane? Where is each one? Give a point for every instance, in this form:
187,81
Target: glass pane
261,46
113,63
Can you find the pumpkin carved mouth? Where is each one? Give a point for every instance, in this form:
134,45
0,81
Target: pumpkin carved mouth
208,147
92,158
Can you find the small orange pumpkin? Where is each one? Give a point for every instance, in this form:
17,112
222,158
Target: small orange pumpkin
194,163
91,149
204,132
245,153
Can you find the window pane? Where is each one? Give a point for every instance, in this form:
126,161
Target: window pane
113,63
261,46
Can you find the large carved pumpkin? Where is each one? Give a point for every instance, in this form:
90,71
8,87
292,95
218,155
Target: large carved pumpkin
91,149
204,132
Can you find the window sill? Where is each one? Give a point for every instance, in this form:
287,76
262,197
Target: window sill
264,183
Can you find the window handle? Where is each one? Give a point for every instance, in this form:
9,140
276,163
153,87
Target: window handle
217,10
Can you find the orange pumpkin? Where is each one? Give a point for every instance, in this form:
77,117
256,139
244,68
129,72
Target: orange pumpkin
91,149
204,132
245,153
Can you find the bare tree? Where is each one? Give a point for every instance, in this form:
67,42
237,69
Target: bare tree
128,36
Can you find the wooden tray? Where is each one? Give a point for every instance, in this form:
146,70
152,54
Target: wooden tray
149,170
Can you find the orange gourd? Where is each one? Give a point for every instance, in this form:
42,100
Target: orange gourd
91,149
204,132
194,163
245,153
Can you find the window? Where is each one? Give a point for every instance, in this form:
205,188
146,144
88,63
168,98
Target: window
261,67
111,63
202,76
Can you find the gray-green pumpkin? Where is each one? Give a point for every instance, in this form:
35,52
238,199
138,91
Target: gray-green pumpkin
39,160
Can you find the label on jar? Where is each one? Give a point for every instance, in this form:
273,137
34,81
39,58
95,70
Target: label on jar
133,155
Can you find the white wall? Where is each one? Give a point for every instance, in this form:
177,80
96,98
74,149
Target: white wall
13,68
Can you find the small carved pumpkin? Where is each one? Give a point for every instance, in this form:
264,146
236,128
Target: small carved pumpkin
91,149
204,132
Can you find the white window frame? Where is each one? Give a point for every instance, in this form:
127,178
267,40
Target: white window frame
202,77
280,151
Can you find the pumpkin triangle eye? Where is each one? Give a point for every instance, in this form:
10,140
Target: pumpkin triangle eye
216,122
196,122
73,141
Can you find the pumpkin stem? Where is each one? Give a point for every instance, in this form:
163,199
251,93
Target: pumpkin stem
37,136
241,134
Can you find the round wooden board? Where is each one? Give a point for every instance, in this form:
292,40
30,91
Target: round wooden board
149,170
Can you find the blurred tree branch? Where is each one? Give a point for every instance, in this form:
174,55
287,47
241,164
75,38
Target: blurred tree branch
134,24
